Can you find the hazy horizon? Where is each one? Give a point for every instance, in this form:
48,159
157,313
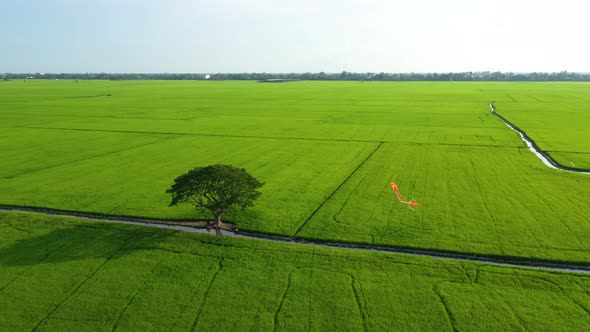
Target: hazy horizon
225,36
286,73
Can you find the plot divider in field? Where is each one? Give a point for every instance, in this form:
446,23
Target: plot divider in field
266,137
206,135
100,155
334,192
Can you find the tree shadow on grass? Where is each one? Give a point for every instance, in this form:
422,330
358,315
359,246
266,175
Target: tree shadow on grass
78,242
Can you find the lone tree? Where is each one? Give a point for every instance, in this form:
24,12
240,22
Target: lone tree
215,188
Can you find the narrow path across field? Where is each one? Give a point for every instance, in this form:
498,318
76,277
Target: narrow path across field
519,262
534,148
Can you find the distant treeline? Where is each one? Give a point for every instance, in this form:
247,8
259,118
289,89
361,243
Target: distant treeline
343,76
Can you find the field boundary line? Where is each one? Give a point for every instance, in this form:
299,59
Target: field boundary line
497,260
334,192
534,148
200,134
265,137
100,155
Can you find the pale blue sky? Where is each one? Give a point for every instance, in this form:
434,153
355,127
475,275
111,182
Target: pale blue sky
293,36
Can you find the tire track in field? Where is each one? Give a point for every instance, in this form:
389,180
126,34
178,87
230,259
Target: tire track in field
309,286
359,302
26,270
574,300
335,216
65,299
31,267
361,308
147,279
447,310
542,279
334,192
485,204
548,202
196,290
17,229
509,307
205,296
534,148
280,307
548,265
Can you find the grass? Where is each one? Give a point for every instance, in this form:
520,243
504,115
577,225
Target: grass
114,147
66,274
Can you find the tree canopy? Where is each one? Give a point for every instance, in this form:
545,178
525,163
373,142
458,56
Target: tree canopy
215,188
322,76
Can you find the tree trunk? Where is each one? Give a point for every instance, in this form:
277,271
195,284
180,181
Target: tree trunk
218,220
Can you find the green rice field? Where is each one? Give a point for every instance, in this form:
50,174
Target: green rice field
64,274
327,152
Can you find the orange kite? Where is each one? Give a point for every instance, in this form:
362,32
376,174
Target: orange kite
411,204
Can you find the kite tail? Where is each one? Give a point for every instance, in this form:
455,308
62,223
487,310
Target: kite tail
411,204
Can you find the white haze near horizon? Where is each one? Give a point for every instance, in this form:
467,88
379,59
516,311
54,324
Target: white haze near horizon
293,36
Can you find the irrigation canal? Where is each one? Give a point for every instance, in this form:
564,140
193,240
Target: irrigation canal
534,148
